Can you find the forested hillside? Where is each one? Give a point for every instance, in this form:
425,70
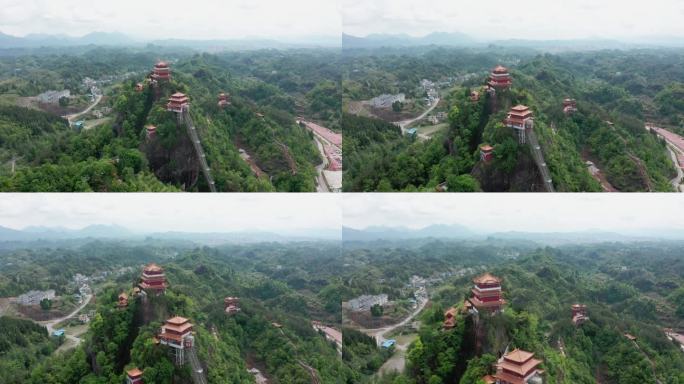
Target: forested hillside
616,93
40,152
279,297
628,289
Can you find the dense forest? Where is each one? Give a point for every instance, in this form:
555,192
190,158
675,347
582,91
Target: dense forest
630,288
275,283
616,92
267,90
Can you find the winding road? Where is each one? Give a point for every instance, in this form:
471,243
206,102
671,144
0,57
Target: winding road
50,325
405,123
379,333
74,116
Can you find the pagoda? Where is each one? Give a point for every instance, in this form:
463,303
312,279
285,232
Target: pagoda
232,305
153,279
518,367
161,71
177,102
569,106
449,318
150,131
486,152
500,78
134,376
487,293
177,334
579,314
475,96
139,87
123,300
520,118
223,100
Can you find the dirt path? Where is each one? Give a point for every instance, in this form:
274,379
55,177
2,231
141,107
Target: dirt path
50,325
74,116
403,124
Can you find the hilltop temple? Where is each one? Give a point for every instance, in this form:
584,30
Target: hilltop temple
518,367
153,279
500,78
177,334
134,376
161,71
177,102
232,305
579,314
487,293
520,118
449,318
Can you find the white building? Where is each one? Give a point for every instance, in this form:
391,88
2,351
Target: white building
35,297
365,302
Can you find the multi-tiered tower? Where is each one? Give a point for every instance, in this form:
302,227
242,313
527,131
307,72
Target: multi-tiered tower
177,334
153,279
520,118
518,367
487,293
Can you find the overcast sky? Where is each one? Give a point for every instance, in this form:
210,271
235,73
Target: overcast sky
174,212
191,19
537,212
528,19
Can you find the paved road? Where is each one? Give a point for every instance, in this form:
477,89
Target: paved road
321,184
405,123
74,116
51,323
379,333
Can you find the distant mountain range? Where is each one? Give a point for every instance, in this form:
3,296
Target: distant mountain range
463,40
549,238
120,39
36,233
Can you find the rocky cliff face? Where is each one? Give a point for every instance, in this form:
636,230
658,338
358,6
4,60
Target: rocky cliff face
524,178
177,165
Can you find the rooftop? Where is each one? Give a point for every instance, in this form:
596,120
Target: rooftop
486,278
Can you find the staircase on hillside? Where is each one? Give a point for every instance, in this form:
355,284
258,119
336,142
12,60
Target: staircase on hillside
197,370
184,118
539,159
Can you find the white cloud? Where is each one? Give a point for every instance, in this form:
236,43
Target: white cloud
517,212
193,19
528,19
174,211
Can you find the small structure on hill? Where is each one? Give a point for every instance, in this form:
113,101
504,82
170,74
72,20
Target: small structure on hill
449,318
569,106
153,280
518,367
223,100
161,71
123,300
520,118
177,334
474,96
630,337
388,343
134,376
150,131
486,152
487,293
579,314
499,78
177,102
232,305
139,87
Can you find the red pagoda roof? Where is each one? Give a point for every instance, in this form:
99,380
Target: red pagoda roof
520,108
519,356
486,148
177,320
500,69
487,278
178,95
153,267
134,373
162,64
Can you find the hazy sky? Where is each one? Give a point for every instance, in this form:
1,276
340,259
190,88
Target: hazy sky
200,212
192,19
528,19
517,212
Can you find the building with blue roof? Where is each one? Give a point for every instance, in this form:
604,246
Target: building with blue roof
58,333
388,343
